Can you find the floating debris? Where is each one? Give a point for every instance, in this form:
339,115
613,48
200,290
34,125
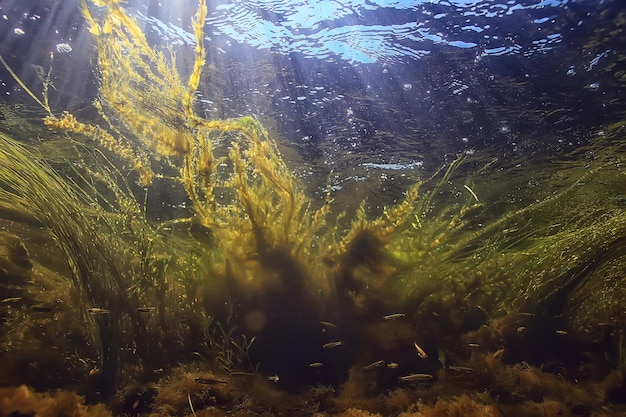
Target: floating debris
273,378
561,332
328,324
316,365
416,377
394,316
392,365
331,345
374,365
11,300
498,353
473,345
441,357
471,192
421,352
145,309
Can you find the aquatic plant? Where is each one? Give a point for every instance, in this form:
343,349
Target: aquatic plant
231,170
445,257
94,243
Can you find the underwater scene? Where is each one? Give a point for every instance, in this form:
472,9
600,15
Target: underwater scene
319,208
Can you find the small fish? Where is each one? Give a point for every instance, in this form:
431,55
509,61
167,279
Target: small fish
331,345
11,300
392,365
41,308
416,377
374,365
394,316
237,373
561,332
521,329
145,309
98,311
273,378
209,380
328,324
420,352
460,368
473,345
316,365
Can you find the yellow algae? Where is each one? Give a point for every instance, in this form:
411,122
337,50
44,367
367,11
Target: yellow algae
67,122
194,79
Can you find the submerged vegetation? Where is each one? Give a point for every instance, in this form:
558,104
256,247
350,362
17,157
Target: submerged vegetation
454,289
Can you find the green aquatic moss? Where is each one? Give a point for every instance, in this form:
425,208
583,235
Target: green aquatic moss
92,242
